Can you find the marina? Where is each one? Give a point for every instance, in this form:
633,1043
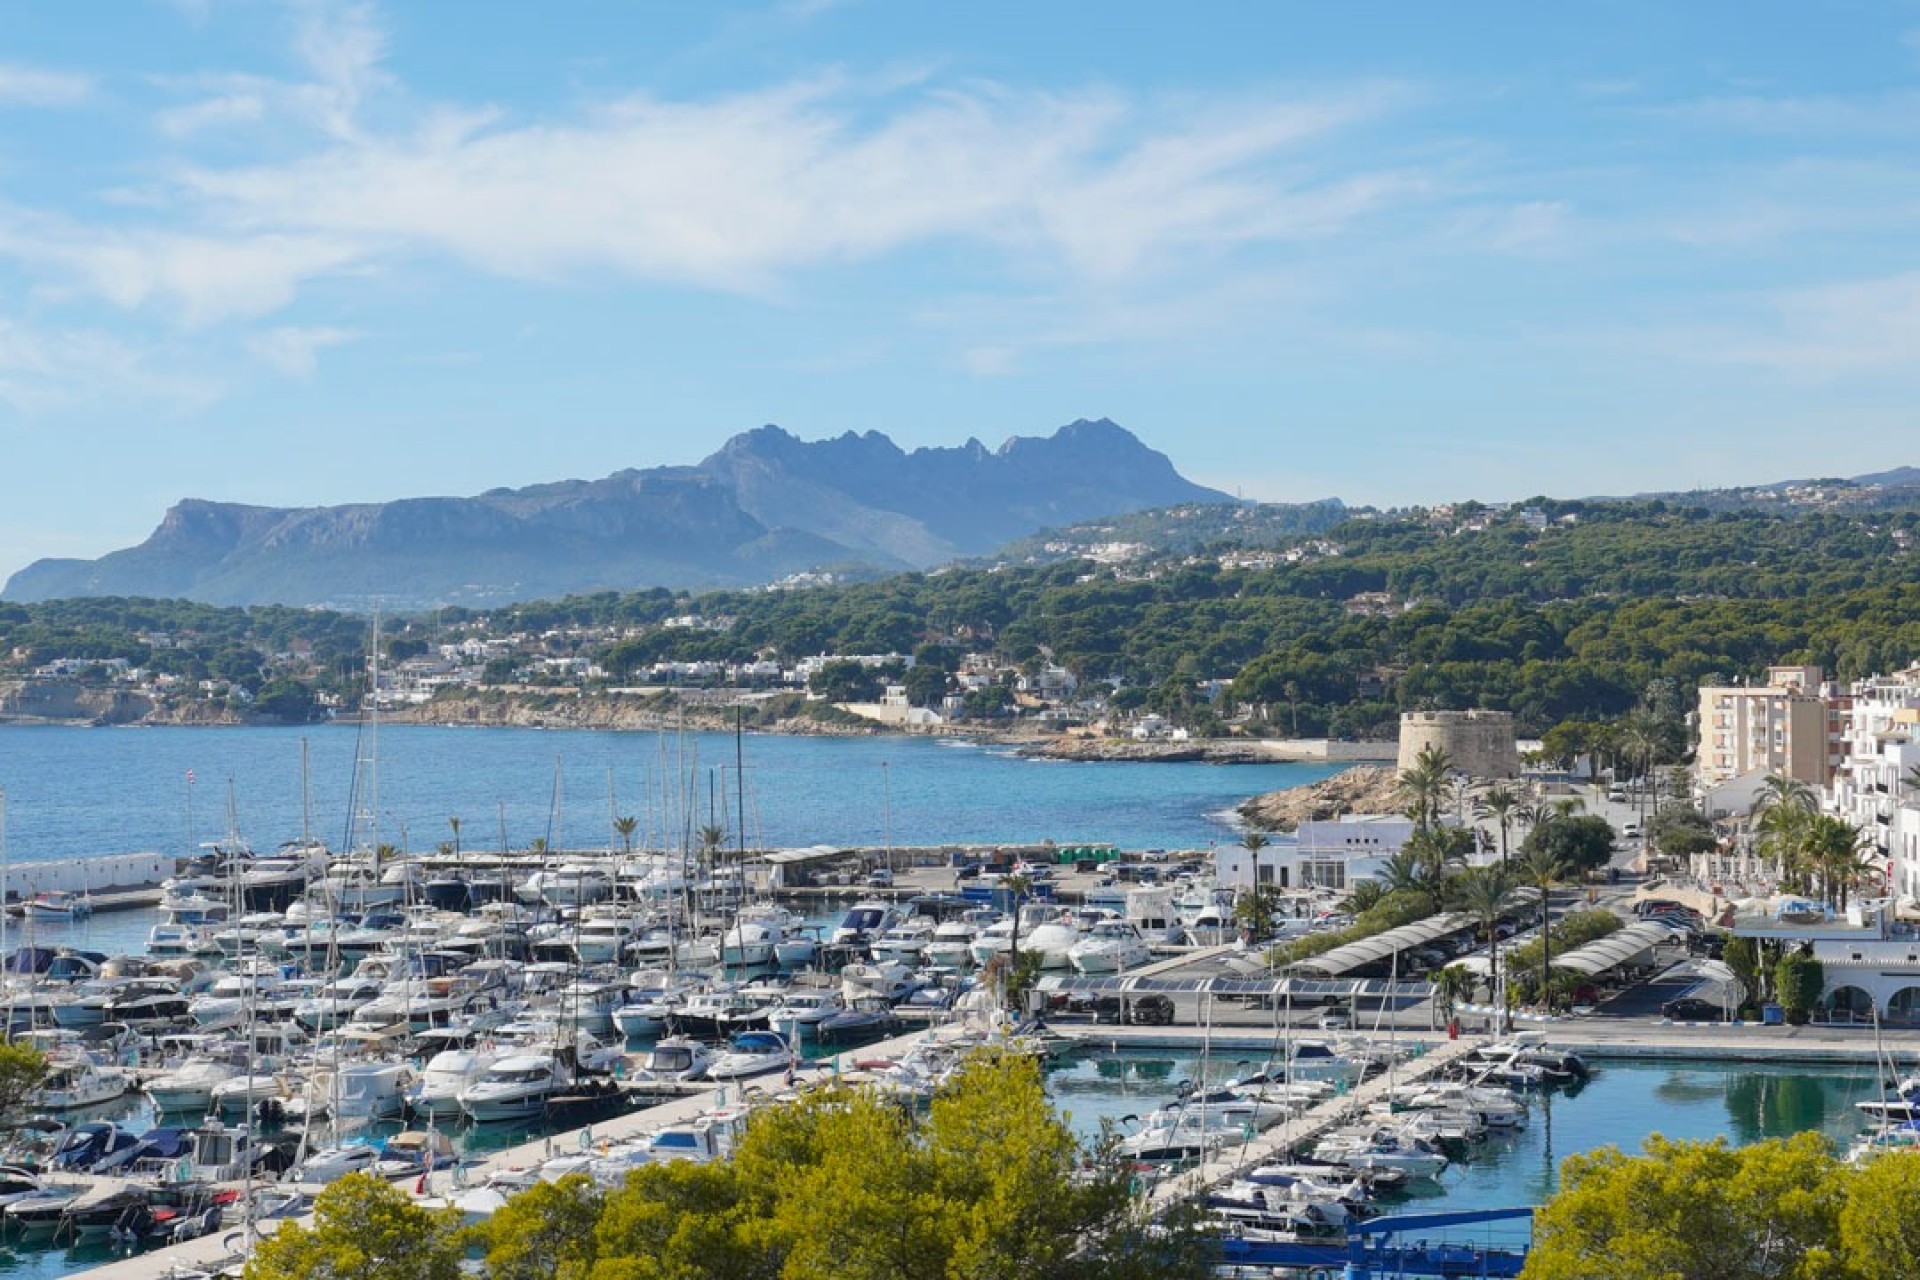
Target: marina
546,1009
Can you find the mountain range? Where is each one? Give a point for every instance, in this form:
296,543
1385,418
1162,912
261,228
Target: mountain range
765,506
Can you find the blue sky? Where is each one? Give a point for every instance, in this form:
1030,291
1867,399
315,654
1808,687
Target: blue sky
314,253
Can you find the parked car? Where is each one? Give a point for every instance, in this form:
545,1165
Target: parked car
1337,1020
1692,1009
880,878
1152,1009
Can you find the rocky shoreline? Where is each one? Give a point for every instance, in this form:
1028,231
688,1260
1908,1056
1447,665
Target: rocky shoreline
1361,789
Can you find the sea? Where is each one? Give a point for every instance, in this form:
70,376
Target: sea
77,792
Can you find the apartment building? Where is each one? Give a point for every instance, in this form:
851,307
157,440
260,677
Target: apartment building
1793,725
1874,787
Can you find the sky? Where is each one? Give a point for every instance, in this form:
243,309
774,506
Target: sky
320,252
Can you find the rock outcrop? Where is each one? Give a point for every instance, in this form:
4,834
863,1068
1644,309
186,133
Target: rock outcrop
1365,789
71,702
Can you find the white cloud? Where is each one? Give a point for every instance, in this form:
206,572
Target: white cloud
733,192
202,278
38,87
1860,326
296,351
46,369
243,101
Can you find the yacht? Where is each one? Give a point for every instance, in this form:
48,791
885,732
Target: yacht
949,947
514,1088
803,1009
751,1053
1109,947
864,921
445,1077
74,1083
906,942
675,1060
188,1088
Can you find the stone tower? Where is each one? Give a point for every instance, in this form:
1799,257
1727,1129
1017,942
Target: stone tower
1480,743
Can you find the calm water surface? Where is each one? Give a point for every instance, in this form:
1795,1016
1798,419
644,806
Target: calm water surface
74,792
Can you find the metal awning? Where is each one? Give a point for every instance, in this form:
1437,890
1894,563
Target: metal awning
1306,990
813,853
1381,946
1616,948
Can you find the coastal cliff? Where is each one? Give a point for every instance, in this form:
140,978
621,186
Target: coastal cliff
1363,789
68,701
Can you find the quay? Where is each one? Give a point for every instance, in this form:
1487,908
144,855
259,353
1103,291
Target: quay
225,1248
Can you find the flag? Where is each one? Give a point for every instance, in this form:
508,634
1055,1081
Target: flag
189,777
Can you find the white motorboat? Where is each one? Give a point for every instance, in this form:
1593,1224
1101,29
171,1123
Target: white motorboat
445,1077
75,1083
905,943
803,1009
1111,946
365,1090
330,1164
864,921
1381,1149
188,1088
514,1088
890,981
752,1053
675,1060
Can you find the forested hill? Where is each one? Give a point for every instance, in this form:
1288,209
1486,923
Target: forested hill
1560,611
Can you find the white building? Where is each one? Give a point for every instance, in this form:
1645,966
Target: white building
1336,853
1873,788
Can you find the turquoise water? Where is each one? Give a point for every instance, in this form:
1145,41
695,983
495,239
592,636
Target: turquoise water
1621,1105
74,792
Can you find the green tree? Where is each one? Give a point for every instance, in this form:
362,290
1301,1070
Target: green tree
1679,830
1694,1211
23,1069
1541,868
1501,805
1581,842
363,1229
1423,786
845,1185
1880,1221
1486,894
546,1232
624,827
1798,979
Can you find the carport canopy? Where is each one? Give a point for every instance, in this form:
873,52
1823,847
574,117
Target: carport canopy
1358,955
1308,991
1616,948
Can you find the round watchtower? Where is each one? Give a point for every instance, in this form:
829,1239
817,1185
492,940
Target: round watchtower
1479,743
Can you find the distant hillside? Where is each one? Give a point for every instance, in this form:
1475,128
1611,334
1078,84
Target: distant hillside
765,506
1178,531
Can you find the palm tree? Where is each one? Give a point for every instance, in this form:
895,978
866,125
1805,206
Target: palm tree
1365,895
1502,805
1779,820
1640,741
1423,783
1486,893
1253,842
1404,872
455,824
1450,986
1016,887
1831,847
624,828
1778,789
1541,869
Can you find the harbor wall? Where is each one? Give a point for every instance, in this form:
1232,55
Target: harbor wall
109,872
